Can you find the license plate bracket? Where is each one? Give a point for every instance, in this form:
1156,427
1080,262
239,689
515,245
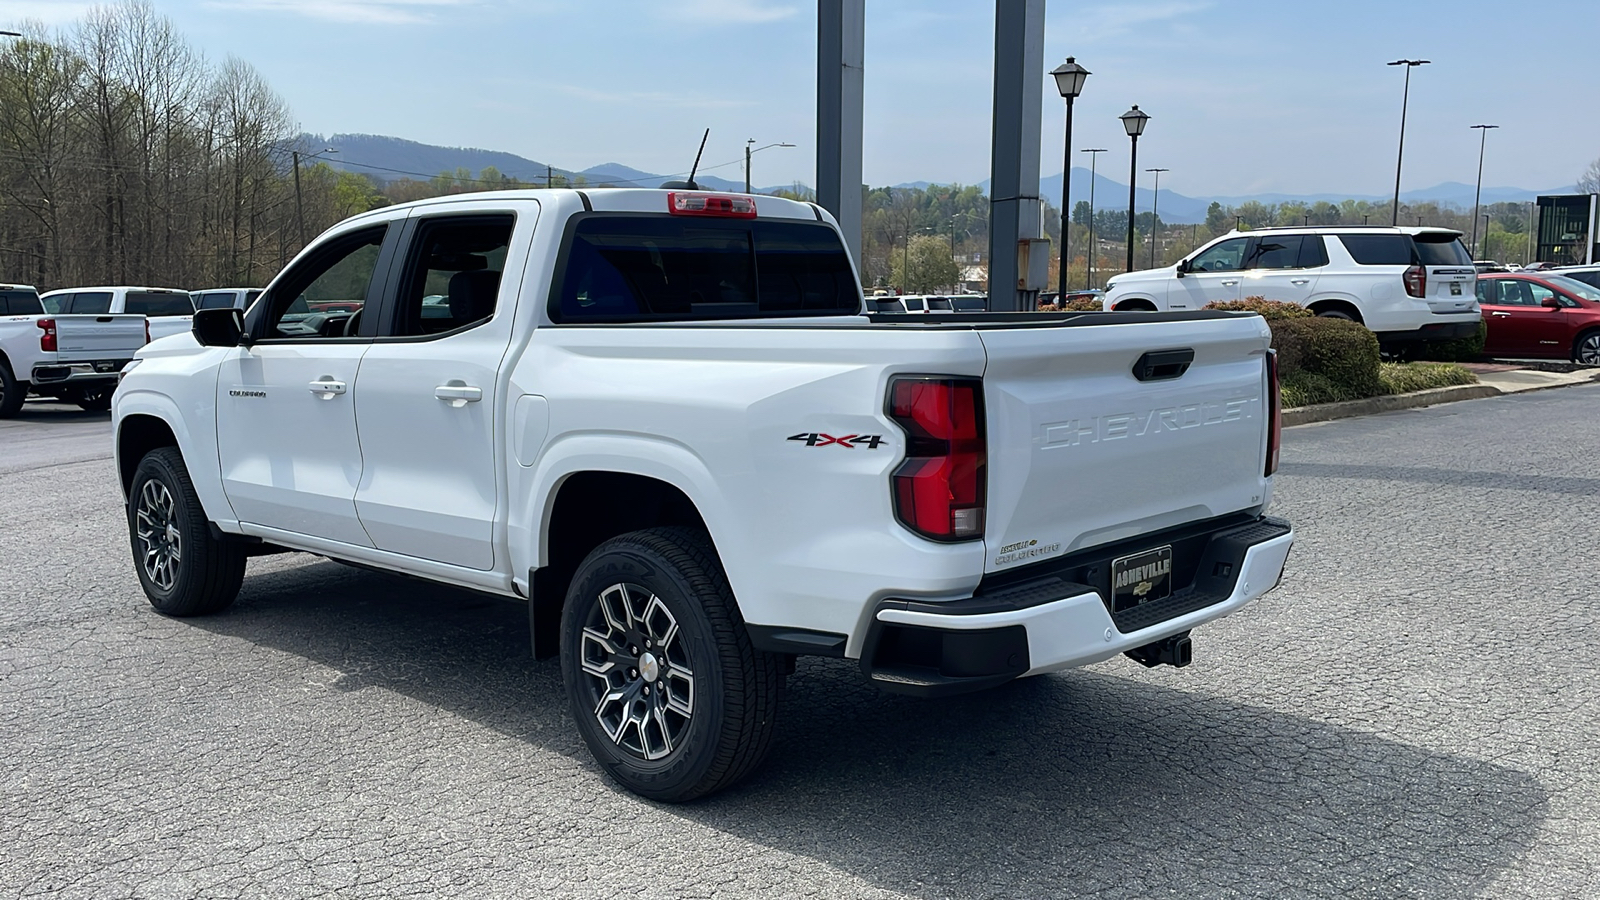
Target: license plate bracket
1455,288
1141,578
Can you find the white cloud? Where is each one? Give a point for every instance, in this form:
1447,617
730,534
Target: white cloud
726,12
380,12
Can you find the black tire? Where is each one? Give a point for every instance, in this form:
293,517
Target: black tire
659,751
1586,348
12,392
94,399
164,512
1336,314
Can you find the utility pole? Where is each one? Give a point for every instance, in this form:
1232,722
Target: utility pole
747,164
1477,194
549,177
1094,248
1155,220
299,210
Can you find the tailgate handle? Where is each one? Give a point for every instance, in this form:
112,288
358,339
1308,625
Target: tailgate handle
1163,365
102,318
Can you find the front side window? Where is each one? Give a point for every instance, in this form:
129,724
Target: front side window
321,296
1227,256
1514,292
158,304
1577,288
452,276
1276,252
621,267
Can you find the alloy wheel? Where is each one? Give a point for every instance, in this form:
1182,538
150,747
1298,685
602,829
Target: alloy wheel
1588,351
637,671
160,541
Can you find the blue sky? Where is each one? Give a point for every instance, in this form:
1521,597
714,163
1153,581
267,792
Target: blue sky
1246,95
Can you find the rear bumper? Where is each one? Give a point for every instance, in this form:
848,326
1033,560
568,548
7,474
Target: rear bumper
1049,624
1436,331
75,373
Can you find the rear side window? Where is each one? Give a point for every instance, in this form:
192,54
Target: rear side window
94,303
20,303
1442,250
1312,252
650,267
1379,249
157,305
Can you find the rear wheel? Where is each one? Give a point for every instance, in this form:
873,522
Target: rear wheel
184,569
1336,314
12,392
667,691
1586,348
1135,306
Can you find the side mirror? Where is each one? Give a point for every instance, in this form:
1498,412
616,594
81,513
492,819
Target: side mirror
220,328
1550,303
1183,267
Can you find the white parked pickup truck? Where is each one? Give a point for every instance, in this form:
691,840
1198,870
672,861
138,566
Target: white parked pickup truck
71,358
169,310
663,420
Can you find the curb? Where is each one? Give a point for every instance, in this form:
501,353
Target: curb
1325,412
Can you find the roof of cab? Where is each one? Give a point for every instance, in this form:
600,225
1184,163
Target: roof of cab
613,200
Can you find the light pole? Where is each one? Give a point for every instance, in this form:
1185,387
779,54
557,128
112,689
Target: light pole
1133,122
1485,218
1069,81
749,153
1405,99
1483,139
10,34
1094,248
299,211
1155,220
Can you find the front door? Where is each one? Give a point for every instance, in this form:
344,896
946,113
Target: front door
286,426
1213,277
429,391
1518,325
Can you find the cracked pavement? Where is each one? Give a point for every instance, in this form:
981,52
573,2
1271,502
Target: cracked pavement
1415,712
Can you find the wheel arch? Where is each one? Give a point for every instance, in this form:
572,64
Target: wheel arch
1135,303
137,435
1341,304
195,442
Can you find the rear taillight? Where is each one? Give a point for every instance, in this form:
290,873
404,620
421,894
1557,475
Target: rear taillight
729,206
47,341
1416,279
1275,411
939,489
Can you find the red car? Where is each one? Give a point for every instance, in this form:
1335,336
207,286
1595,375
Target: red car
1541,314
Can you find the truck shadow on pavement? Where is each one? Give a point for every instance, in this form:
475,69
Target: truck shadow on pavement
1065,785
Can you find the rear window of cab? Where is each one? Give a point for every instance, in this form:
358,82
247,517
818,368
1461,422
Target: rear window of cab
620,267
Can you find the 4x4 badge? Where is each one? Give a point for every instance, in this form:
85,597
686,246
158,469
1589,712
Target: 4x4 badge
849,441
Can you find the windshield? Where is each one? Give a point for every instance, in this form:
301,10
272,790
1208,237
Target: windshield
1576,288
216,300
620,267
157,305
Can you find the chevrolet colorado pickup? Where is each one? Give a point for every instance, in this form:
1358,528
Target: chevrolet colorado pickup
664,420
71,358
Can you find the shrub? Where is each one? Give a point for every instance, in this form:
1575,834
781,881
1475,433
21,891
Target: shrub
1082,304
1271,310
1457,350
1403,378
1344,353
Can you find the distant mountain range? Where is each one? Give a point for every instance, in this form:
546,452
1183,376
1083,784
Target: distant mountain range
389,158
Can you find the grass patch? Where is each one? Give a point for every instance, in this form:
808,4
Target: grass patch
1404,378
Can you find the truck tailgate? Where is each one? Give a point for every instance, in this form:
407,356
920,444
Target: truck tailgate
86,338
1082,452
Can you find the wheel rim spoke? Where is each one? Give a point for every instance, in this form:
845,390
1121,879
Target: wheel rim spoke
156,529
637,676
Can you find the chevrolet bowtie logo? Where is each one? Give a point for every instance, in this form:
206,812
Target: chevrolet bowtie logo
1143,588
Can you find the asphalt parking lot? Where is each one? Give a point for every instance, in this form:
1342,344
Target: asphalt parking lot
1415,712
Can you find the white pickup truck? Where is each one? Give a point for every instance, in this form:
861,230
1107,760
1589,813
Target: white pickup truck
169,310
71,358
663,420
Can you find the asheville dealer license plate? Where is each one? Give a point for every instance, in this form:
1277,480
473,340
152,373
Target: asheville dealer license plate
1141,578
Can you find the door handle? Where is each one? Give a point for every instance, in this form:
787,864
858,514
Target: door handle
1229,283
326,388
1501,315
458,393
1299,281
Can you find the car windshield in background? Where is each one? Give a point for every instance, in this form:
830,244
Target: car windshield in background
647,267
1442,250
1379,249
1591,277
216,300
158,305
20,303
1576,288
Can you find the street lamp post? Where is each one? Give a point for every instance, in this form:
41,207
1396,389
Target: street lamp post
1094,248
1155,219
299,211
749,153
10,34
1477,193
1069,81
1405,99
1133,122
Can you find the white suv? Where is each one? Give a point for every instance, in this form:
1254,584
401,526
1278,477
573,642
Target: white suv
1406,284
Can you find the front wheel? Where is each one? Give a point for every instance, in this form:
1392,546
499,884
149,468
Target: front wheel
1586,349
667,691
184,569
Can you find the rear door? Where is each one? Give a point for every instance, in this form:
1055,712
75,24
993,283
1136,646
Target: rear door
1081,452
1214,276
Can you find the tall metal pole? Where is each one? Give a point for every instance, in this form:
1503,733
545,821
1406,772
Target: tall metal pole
1405,100
841,52
299,211
1477,194
1066,219
1094,248
1016,209
747,164
1155,218
1133,180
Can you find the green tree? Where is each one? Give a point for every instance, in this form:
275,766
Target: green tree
1218,218
926,266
